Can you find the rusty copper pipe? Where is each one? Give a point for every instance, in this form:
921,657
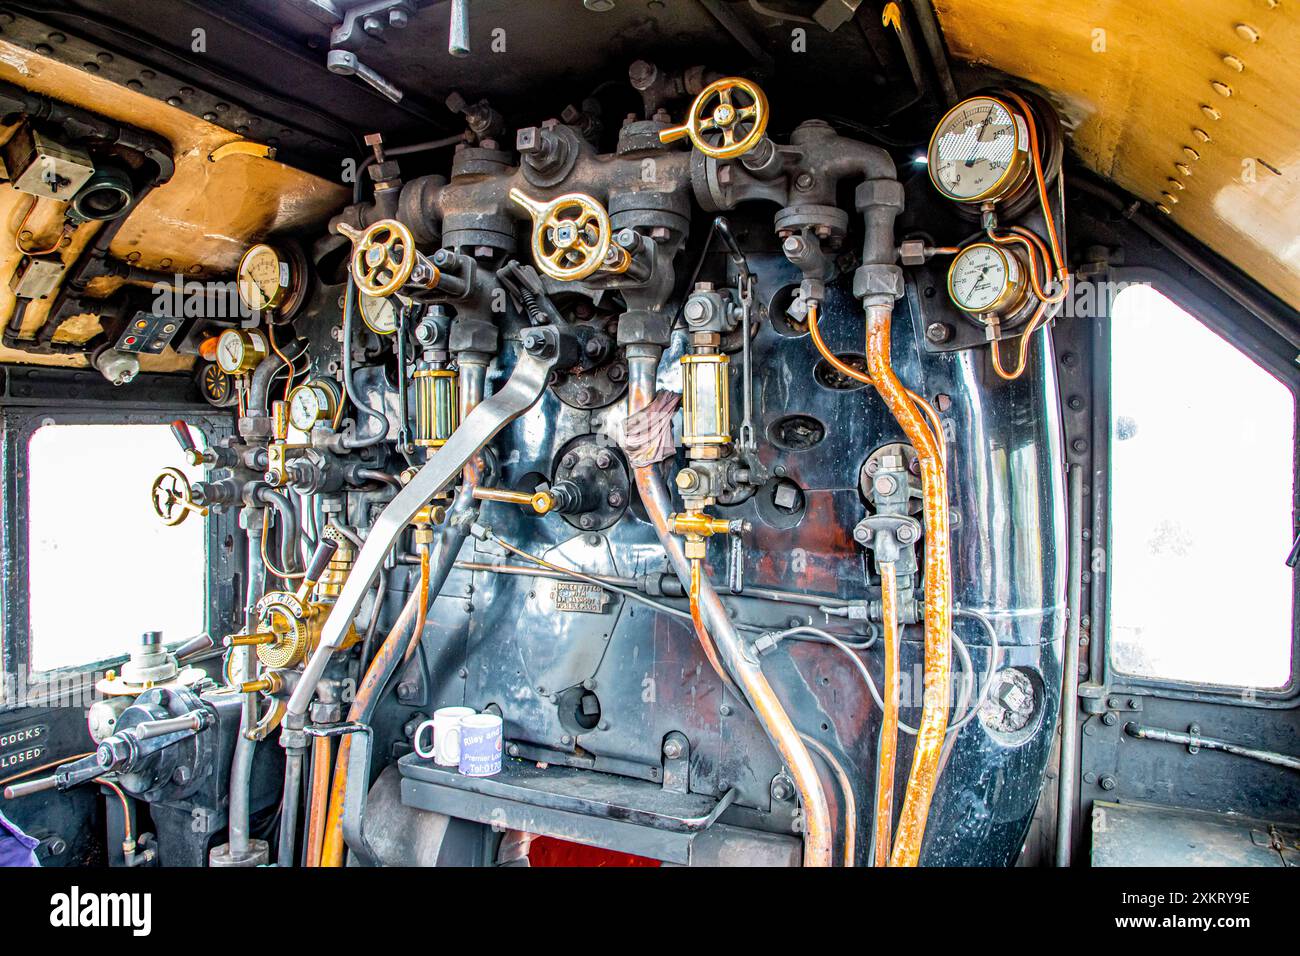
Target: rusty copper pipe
938,590
387,659
642,363
889,715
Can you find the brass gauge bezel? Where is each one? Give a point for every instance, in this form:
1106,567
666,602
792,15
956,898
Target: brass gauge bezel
1018,168
363,298
246,285
254,349
329,401
1014,289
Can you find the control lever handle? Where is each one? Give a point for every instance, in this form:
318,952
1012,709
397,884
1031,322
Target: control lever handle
320,559
195,645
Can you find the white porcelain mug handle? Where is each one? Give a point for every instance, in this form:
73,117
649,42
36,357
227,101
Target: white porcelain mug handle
419,732
454,733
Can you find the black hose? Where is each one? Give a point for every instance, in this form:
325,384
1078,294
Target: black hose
349,307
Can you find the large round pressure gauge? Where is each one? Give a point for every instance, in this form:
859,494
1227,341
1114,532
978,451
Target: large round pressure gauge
985,279
239,351
265,277
980,151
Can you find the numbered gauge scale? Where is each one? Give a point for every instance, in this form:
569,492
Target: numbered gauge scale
979,152
313,403
239,350
272,280
990,283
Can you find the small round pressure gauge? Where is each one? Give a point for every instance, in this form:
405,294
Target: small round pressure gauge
980,151
380,313
239,350
265,277
312,403
985,279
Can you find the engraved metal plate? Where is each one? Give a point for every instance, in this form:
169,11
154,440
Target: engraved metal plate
580,596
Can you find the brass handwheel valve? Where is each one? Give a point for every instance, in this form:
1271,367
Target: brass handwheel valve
722,125
172,497
384,259
570,234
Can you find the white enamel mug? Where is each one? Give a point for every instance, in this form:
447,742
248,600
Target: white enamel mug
445,726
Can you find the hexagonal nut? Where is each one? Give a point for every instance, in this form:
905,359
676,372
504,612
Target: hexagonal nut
879,192
911,252
878,280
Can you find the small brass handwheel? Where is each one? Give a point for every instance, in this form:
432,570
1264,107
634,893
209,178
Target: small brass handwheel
570,234
383,256
172,497
718,125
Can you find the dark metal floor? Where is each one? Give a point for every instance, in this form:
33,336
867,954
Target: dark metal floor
1143,834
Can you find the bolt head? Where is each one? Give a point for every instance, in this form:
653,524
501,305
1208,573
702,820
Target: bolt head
938,332
672,749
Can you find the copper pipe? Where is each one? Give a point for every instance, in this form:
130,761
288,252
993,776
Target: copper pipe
381,668
889,715
321,753
938,597
643,361
845,369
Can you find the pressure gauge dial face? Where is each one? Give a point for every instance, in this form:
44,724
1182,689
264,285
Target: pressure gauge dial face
980,151
310,404
265,277
380,312
239,350
984,279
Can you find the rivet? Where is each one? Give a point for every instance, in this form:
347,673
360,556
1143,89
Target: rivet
1247,32
1163,208
1191,153
1183,168
1170,197
1223,89
1176,184
1234,63
1211,112
1200,134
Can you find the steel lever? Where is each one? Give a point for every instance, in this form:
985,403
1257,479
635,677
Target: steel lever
520,393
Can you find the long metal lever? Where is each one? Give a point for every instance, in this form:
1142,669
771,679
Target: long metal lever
520,393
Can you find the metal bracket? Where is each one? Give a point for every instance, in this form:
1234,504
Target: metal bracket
677,763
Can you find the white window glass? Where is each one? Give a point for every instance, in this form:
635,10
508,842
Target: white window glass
1202,448
102,568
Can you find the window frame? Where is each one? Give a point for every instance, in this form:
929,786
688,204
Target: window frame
1115,680
19,425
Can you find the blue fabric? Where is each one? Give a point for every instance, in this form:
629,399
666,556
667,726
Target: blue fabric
16,847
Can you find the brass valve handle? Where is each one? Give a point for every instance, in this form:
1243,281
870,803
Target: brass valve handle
716,122
571,234
541,502
383,256
172,497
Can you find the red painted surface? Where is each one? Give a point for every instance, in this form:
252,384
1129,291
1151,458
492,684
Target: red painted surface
545,851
